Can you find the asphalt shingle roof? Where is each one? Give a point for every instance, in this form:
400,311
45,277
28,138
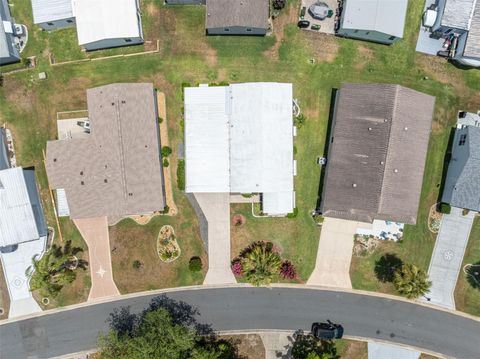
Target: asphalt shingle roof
247,13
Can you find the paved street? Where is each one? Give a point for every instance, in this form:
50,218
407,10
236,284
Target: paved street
247,308
447,256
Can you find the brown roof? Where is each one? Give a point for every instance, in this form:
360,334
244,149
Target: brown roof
117,170
247,13
377,153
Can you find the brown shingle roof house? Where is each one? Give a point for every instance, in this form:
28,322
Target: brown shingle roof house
237,17
377,153
117,170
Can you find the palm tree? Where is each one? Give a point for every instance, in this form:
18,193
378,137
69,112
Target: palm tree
261,264
55,269
411,281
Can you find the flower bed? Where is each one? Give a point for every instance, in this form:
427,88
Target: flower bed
434,219
167,247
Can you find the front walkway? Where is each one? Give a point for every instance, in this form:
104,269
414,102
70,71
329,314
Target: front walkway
447,256
388,351
15,265
334,255
216,209
95,233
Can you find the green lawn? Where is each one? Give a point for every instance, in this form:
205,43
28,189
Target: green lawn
467,298
187,55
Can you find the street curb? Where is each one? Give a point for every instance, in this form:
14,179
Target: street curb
237,285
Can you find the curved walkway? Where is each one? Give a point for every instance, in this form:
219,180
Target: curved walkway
241,307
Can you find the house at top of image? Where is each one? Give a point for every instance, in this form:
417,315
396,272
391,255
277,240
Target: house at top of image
9,48
100,24
377,153
234,17
381,21
462,184
457,22
109,164
239,139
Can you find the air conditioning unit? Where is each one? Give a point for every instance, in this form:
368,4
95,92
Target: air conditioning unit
18,29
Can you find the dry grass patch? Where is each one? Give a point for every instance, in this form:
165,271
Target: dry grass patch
287,16
324,46
249,346
352,349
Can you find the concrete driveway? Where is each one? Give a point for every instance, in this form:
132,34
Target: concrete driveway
216,209
388,351
334,254
447,256
95,233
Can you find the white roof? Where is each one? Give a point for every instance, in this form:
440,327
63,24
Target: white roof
17,221
387,16
106,19
51,10
239,139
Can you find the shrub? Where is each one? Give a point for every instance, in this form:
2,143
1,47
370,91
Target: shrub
195,264
166,151
445,208
237,268
473,275
165,162
465,212
411,281
160,120
293,214
181,175
166,209
300,120
287,270
136,264
186,84
278,4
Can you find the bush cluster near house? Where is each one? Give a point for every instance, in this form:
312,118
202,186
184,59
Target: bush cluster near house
445,208
195,264
261,264
181,175
55,269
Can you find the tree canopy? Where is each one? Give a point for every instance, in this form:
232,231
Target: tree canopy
411,281
309,347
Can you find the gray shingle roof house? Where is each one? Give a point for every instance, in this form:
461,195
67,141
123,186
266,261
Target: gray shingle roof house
462,185
235,17
117,171
377,153
9,52
380,21
458,20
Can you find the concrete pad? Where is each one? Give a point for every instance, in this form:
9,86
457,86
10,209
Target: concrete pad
448,255
425,43
277,345
69,129
95,233
334,255
21,307
216,208
384,351
15,264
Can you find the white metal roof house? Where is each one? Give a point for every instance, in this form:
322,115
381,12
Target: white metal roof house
21,215
100,23
458,22
9,52
53,14
380,21
239,139
107,23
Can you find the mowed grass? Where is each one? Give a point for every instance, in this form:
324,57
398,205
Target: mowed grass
187,55
467,298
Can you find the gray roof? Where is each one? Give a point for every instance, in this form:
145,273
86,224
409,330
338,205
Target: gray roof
386,16
377,153
51,10
246,13
472,46
458,13
8,52
117,170
462,185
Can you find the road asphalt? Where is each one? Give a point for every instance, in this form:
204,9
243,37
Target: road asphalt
247,308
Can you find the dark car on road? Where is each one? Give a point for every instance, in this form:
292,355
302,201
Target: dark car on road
327,330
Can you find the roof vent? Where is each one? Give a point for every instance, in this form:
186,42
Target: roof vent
82,183
54,160
382,163
395,170
354,185
406,128
369,128
385,120
105,180
113,103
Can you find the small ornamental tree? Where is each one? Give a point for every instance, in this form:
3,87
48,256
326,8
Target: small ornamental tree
166,151
237,268
411,281
195,264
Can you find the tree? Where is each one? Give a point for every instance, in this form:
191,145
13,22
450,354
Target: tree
157,334
56,268
166,151
411,281
386,267
309,347
260,264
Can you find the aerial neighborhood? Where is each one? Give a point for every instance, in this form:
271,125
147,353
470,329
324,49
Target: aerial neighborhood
239,179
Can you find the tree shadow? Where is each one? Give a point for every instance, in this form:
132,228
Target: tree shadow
473,275
386,267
